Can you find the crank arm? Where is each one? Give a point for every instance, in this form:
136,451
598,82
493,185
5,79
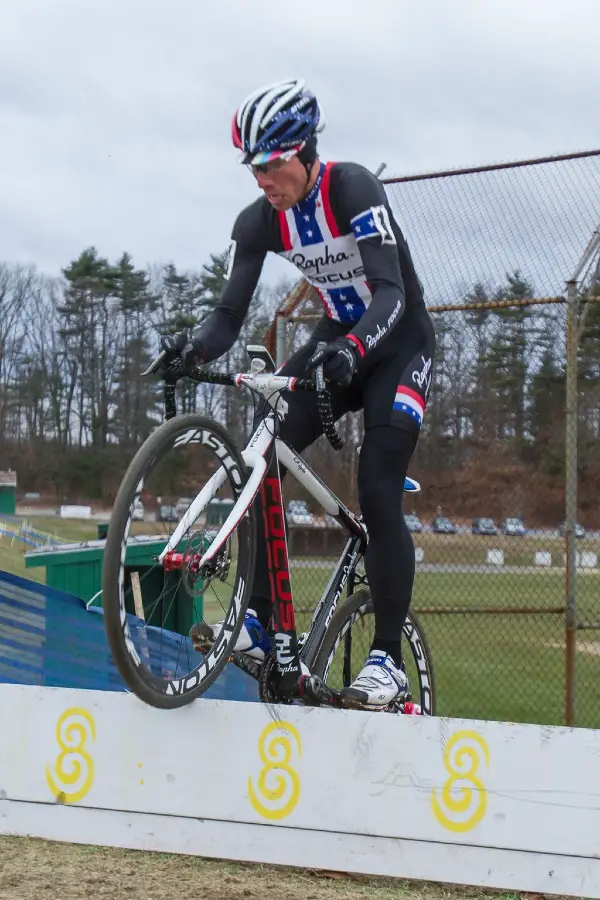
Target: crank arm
313,688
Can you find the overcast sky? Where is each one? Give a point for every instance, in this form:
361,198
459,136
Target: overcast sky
115,114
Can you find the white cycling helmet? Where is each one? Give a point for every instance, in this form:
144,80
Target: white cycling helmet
276,121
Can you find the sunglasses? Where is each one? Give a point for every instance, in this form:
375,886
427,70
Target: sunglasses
267,168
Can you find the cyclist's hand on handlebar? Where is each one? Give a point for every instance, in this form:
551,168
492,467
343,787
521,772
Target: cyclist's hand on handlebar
339,359
182,351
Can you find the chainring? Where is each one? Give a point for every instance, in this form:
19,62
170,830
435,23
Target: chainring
267,682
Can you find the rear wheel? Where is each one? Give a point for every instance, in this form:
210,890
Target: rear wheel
150,607
347,641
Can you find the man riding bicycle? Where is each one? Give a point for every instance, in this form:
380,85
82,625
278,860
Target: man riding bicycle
333,221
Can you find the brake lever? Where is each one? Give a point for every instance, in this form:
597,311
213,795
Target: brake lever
319,376
155,365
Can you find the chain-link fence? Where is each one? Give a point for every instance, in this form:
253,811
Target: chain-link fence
507,524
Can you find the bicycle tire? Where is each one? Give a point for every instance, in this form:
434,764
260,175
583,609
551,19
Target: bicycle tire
358,605
148,687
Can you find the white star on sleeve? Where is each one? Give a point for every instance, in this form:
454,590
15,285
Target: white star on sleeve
307,218
309,234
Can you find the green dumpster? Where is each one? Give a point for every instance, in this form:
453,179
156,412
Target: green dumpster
77,569
8,493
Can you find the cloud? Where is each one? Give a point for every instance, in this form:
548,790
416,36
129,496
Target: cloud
115,117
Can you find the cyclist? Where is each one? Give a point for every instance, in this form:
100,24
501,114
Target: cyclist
333,221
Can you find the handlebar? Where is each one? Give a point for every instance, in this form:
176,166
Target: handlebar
199,376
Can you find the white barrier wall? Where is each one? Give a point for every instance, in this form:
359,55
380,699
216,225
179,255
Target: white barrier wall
485,803
495,557
75,512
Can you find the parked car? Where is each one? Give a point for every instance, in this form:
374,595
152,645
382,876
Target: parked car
167,514
579,530
413,522
326,521
298,513
331,522
443,525
513,526
182,506
484,526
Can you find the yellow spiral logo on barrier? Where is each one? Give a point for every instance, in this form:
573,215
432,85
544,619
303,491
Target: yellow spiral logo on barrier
463,798
72,775
278,787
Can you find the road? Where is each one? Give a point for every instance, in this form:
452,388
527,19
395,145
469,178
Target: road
104,516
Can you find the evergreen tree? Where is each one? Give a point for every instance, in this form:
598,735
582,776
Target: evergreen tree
547,398
480,401
134,399
508,360
88,314
588,379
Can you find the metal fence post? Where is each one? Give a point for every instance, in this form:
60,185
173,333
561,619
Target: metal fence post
570,500
571,425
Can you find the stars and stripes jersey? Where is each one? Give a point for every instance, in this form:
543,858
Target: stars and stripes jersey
344,240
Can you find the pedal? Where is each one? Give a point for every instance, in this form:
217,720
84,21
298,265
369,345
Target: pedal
202,637
313,688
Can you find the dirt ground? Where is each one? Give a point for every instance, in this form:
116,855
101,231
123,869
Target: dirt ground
46,870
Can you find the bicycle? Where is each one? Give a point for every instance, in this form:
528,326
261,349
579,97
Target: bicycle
297,670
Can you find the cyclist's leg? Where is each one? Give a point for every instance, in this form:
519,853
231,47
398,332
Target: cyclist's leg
390,558
395,395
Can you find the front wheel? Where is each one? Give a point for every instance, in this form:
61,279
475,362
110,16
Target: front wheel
150,607
347,641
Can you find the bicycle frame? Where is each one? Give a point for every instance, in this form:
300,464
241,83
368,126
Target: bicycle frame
263,455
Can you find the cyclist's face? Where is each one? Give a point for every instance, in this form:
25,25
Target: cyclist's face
283,181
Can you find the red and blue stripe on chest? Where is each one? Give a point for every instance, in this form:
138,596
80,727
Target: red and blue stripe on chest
329,260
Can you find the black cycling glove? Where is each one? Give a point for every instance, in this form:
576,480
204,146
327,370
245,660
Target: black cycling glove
340,361
182,347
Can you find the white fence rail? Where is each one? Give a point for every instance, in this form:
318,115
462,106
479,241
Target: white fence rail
484,803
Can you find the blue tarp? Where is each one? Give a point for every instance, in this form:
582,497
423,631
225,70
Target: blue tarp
48,637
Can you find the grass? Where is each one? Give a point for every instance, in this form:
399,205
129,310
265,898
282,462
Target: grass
12,560
86,530
69,529
32,868
506,666
472,549
488,663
